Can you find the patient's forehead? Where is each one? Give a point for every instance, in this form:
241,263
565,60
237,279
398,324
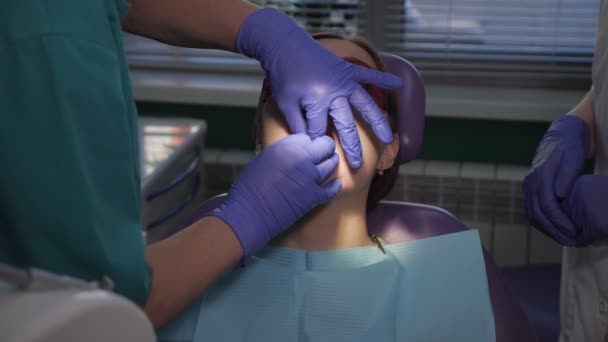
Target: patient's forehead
344,48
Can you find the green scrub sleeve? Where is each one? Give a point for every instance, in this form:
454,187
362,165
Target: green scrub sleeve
69,179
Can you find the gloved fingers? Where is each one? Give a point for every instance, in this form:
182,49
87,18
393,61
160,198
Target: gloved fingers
564,181
567,174
551,208
372,114
553,212
583,241
346,127
294,117
574,206
329,190
528,193
541,222
327,167
536,214
540,186
316,119
321,149
378,78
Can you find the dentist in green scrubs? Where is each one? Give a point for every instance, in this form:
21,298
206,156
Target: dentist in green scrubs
69,177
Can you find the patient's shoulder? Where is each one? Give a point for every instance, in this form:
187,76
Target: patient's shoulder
402,221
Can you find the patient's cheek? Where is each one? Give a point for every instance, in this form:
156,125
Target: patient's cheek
354,181
274,129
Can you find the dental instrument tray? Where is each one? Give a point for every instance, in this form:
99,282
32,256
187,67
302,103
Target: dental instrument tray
171,171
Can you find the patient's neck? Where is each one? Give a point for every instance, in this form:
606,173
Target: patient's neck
338,224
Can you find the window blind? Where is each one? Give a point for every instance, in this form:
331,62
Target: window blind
531,39
524,42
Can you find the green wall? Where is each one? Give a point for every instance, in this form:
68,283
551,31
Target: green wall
445,138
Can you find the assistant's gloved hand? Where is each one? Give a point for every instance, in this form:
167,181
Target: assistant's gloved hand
587,207
305,75
557,163
281,184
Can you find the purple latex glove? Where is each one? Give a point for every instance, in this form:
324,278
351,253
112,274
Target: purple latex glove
557,163
305,75
281,184
587,207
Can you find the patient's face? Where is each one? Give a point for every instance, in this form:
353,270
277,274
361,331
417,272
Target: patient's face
274,127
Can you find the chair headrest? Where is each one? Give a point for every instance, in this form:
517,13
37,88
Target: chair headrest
410,103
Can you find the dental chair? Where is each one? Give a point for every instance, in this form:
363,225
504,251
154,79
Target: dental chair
397,222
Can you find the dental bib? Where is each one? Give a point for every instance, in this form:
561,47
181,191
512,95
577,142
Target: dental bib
433,289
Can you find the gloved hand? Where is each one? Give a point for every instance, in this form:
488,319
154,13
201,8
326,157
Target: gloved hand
281,184
557,163
587,207
305,75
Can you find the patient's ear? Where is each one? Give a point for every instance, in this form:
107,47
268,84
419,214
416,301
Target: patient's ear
389,153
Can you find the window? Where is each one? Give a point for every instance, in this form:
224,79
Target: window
487,42
529,40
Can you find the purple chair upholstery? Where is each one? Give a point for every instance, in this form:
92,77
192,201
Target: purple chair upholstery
537,289
397,222
410,103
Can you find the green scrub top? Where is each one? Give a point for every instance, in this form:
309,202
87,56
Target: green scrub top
69,173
